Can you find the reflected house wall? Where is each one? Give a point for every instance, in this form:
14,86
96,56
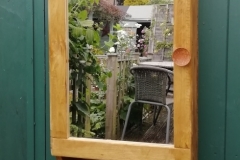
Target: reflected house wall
153,14
162,14
135,15
130,28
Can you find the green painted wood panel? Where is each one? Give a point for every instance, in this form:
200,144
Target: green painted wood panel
16,80
29,77
47,126
39,80
213,23
24,96
233,81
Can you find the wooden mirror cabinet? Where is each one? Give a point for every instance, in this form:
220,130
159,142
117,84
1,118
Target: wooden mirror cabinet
185,95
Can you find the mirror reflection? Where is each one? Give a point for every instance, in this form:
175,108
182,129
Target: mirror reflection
121,70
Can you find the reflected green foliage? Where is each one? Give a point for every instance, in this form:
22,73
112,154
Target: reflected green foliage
88,106
84,40
135,2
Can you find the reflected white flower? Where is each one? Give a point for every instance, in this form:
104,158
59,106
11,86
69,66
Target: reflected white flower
111,50
81,37
169,34
117,43
82,61
89,46
138,25
121,34
126,24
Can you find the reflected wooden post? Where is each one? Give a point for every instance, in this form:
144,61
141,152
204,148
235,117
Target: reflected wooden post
136,56
151,40
111,101
88,95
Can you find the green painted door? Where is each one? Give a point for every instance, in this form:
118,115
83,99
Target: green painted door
16,80
232,151
219,89
24,97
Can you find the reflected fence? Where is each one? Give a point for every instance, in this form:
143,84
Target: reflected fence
101,114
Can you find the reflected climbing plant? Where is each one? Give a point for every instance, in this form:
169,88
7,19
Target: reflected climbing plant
84,40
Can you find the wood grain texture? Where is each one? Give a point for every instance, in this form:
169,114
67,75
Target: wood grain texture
194,108
68,158
185,78
58,59
111,101
116,150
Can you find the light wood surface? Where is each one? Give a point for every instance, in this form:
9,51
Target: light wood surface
68,158
194,109
58,68
185,78
116,150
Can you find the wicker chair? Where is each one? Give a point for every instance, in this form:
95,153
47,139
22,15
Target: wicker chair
150,88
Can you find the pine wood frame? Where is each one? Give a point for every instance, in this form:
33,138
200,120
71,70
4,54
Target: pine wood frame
185,95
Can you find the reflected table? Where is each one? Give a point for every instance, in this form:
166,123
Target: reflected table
163,64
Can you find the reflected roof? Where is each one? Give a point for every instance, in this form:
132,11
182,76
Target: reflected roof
138,13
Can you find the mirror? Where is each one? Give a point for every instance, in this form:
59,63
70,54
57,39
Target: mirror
185,91
105,42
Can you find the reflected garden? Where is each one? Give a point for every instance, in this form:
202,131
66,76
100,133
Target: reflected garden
103,46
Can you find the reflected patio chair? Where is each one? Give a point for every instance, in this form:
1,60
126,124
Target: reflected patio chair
150,88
